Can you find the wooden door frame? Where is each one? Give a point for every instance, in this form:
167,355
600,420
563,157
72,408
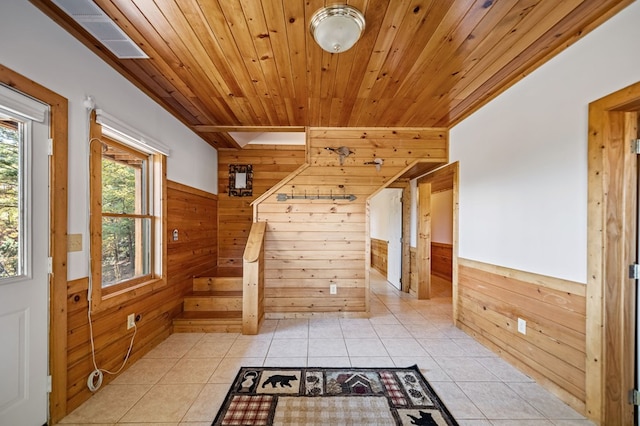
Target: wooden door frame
435,179
611,216
57,235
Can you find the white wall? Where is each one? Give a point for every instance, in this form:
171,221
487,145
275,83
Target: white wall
442,217
36,47
523,157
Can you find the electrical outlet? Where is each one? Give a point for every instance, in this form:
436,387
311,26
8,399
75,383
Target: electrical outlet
333,288
131,321
522,326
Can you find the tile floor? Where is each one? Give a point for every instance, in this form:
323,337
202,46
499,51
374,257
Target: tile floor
184,380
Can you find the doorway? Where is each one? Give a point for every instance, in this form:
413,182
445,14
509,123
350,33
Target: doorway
436,236
386,234
56,230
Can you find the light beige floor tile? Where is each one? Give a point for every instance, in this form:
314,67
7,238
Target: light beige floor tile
465,369
149,424
458,404
424,331
285,362
228,368
145,371
573,423
173,348
292,329
371,361
288,348
442,347
327,348
164,403
391,330
365,347
545,402
329,362
403,347
194,424
472,422
191,370
386,317
503,370
207,404
521,422
219,336
472,347
210,348
427,365
498,401
356,331
108,405
243,348
324,328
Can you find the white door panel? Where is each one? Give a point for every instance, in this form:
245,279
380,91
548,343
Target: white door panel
24,306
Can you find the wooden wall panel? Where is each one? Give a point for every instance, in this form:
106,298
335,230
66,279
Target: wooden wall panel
235,214
193,213
379,255
313,243
441,260
553,350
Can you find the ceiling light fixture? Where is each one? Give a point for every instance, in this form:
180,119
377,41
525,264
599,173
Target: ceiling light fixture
337,28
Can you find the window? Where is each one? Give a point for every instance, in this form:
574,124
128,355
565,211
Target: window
12,220
127,247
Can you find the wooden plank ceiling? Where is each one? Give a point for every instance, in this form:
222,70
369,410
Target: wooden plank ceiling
219,64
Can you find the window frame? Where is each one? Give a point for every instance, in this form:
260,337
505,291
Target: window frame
104,298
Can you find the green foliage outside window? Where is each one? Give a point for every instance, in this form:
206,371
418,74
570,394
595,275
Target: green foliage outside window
9,202
119,233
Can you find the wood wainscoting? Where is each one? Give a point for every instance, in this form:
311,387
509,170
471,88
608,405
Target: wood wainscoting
271,164
492,298
441,260
379,255
194,214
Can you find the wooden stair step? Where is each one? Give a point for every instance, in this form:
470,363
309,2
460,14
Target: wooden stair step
213,301
217,284
208,322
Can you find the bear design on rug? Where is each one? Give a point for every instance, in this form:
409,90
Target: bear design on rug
281,379
425,419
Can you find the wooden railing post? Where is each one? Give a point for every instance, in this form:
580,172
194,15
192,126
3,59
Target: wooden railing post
253,280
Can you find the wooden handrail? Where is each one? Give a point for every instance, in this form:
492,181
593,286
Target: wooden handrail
253,279
254,243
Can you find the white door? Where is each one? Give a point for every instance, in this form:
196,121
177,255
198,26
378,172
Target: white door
394,249
24,247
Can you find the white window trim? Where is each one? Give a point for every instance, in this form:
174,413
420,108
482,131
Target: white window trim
121,131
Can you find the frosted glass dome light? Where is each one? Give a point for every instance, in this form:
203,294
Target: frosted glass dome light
337,28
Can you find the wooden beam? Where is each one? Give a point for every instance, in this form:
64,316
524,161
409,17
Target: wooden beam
261,129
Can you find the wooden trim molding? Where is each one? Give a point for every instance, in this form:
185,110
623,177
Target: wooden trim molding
57,235
611,242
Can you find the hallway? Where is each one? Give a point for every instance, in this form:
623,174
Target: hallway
184,379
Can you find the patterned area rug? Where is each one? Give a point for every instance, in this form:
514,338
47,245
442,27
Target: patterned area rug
331,396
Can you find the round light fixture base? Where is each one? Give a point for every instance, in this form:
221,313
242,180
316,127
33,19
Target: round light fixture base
337,28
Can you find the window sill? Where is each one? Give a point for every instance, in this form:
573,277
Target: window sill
102,303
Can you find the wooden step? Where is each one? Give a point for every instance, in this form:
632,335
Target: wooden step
213,301
208,322
217,284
